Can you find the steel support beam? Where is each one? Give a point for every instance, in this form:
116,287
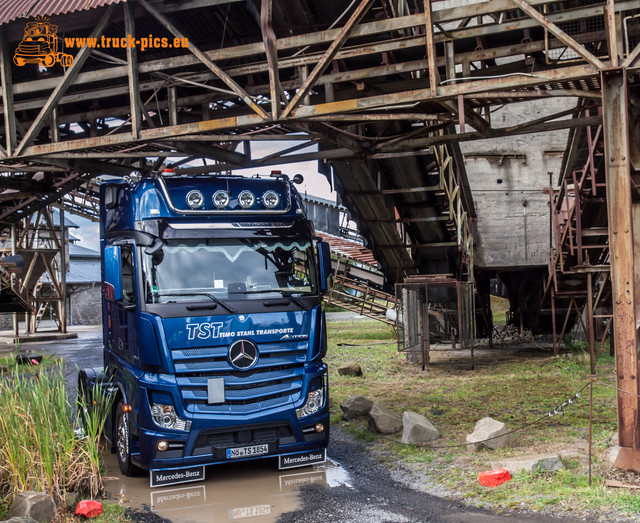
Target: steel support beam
164,21
324,62
616,142
559,33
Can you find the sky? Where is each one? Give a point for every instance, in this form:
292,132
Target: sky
315,184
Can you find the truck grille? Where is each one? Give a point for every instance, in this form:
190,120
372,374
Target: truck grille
274,381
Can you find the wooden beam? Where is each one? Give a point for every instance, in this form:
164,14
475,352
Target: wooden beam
7,94
244,96
621,233
329,54
132,73
67,80
431,49
559,33
271,49
612,34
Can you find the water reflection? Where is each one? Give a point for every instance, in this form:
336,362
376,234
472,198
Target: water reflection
251,490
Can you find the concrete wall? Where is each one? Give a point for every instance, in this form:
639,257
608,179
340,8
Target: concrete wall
512,207
86,306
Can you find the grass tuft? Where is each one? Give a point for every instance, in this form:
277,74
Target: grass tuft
40,449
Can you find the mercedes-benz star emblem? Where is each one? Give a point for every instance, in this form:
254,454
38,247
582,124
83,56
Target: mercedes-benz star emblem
243,354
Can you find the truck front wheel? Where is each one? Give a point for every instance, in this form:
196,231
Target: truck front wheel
123,442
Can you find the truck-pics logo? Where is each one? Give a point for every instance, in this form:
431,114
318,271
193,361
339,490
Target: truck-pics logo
39,45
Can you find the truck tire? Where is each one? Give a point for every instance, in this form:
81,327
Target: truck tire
123,442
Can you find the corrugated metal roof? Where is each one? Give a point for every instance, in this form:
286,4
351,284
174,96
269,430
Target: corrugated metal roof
13,9
349,249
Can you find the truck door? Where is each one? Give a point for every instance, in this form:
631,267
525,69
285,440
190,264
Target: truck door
123,312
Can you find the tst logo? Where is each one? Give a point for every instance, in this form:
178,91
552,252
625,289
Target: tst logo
39,45
203,331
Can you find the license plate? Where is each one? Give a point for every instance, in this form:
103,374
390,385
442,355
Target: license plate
243,452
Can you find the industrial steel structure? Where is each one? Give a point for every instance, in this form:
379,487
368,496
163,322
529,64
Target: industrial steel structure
380,92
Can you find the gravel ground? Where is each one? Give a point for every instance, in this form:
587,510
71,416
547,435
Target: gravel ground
377,494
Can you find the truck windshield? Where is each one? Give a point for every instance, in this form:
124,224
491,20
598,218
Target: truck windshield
196,270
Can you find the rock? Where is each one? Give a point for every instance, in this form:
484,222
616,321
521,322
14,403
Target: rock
70,500
350,368
417,429
20,519
355,407
494,432
382,419
611,454
37,505
531,464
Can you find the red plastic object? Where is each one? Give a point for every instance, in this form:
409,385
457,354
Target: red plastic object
493,478
89,508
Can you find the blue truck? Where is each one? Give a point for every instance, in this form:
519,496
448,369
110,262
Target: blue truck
213,326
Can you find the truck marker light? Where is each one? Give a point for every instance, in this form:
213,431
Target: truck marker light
270,199
126,408
246,199
195,199
221,199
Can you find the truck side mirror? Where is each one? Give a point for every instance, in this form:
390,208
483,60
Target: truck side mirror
113,272
324,262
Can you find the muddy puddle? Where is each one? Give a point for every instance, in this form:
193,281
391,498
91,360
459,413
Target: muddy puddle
249,491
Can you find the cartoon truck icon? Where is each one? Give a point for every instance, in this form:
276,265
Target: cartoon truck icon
39,45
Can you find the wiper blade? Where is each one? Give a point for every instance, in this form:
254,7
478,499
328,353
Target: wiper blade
284,292
220,302
212,297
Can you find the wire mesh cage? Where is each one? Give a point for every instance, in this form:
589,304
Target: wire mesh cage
435,314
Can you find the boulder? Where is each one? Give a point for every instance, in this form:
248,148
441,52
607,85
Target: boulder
356,407
37,505
417,429
382,419
489,433
350,368
532,464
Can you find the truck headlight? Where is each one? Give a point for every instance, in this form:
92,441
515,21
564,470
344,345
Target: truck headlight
195,199
314,403
246,199
221,199
270,199
165,416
